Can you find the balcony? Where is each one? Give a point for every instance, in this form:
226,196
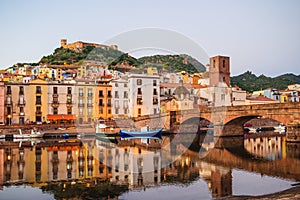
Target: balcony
55,104
101,104
80,94
38,113
22,113
80,105
89,105
90,94
108,104
8,102
55,95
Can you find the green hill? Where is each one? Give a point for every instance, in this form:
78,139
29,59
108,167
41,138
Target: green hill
62,56
250,82
173,63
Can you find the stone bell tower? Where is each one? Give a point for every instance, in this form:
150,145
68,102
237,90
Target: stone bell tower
219,71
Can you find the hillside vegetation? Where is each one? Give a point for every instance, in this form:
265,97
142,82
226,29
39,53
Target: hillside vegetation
250,82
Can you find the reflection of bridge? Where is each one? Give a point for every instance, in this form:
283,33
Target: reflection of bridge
238,157
228,121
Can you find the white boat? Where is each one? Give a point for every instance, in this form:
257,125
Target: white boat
33,134
281,128
252,129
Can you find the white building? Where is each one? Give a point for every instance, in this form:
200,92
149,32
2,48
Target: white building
144,95
120,91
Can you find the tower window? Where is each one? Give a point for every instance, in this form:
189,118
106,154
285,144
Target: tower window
223,63
214,63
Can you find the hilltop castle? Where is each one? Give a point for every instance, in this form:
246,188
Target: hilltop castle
78,46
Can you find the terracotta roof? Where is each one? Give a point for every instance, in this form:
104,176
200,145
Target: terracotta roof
260,98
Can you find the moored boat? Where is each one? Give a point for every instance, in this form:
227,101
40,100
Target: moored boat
33,134
280,128
145,132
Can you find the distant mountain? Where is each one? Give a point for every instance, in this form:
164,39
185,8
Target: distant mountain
250,82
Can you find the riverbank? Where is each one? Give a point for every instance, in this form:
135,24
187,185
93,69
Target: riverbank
292,193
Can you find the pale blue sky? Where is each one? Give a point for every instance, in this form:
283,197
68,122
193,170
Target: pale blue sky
261,36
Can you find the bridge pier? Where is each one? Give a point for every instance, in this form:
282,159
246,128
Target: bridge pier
293,132
228,130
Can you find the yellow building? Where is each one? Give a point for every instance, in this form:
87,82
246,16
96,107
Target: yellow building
85,90
258,93
104,100
37,101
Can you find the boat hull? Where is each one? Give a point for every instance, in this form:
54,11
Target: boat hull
136,134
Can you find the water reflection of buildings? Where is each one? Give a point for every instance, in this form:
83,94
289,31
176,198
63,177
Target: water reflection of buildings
266,147
44,162
131,162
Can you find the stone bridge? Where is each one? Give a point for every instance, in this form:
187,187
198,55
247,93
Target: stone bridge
228,121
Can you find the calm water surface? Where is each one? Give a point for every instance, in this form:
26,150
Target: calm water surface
172,168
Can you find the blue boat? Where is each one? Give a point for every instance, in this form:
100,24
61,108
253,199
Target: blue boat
141,134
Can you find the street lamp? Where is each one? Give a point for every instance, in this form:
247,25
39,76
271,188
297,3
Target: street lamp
9,119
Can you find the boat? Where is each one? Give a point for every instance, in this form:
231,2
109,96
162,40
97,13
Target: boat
144,133
33,134
252,129
280,128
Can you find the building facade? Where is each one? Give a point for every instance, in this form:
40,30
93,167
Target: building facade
144,97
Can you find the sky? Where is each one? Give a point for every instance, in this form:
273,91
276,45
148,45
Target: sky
259,36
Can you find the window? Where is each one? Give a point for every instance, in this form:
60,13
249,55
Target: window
55,111
139,91
54,90
80,92
8,90
125,95
214,63
108,93
9,110
116,94
139,101
117,111
139,112
139,81
223,97
38,90
155,100
69,110
125,84
80,111
154,110
116,85
101,102
89,111
21,92
109,111
101,110
90,92
38,100
154,83
69,90
154,91
108,102
100,93
224,79
223,63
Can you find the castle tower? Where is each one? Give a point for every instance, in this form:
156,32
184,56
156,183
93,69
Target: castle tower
63,42
219,70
